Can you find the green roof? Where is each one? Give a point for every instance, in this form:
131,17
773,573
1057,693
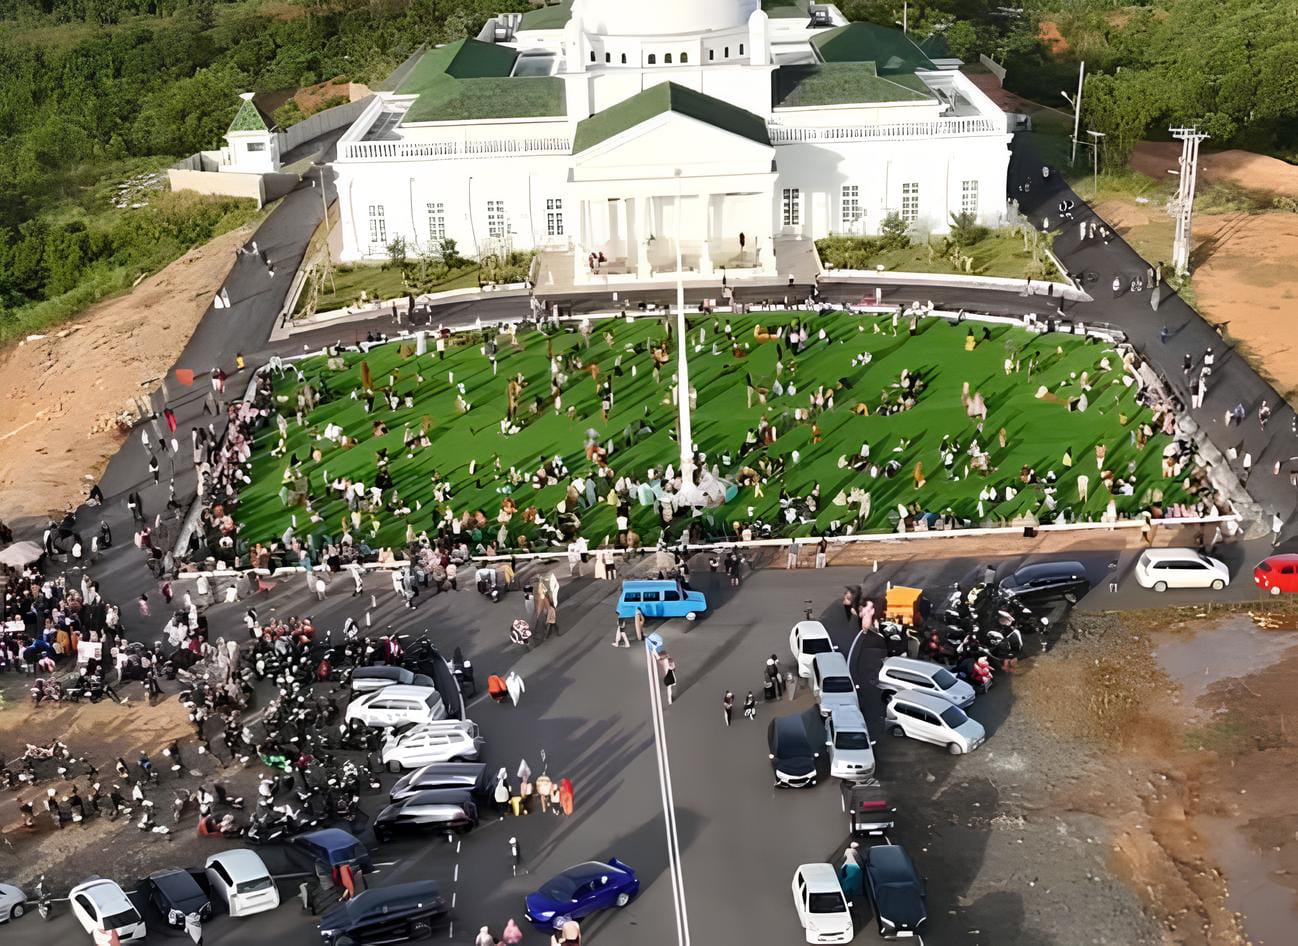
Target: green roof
891,50
470,79
785,9
552,16
250,118
665,97
843,83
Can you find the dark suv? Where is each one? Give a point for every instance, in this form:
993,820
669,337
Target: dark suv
393,914
1047,581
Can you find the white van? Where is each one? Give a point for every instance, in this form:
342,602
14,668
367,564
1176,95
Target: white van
1161,569
930,718
851,751
397,704
240,880
831,682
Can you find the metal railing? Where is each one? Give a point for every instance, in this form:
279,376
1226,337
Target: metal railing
417,150
784,134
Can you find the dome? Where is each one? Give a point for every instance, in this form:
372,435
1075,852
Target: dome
664,17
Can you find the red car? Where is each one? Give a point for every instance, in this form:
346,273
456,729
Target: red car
1277,573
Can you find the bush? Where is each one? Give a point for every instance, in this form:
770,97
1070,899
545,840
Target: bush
894,232
966,231
848,252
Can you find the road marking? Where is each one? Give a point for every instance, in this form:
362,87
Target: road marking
669,801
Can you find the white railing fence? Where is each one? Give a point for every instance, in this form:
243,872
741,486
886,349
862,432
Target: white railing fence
784,134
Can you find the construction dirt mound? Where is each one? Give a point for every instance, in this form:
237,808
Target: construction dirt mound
61,393
1254,172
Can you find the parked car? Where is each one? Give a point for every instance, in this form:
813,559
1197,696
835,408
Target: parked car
580,891
831,682
807,639
240,880
797,748
1161,569
851,751
13,903
659,599
1046,581
393,914
369,679
447,740
397,704
896,891
930,718
1277,573
333,847
102,908
467,775
434,809
175,894
903,673
821,905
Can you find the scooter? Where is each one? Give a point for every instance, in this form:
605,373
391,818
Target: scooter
44,902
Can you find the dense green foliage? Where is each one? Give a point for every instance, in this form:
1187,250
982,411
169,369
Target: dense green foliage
90,89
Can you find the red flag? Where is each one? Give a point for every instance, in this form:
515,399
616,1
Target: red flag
185,376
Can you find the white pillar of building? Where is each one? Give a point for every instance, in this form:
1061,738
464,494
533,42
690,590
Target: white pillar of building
703,217
682,360
643,230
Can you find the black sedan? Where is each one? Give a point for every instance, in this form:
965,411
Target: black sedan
438,809
1047,581
176,894
393,914
896,891
798,752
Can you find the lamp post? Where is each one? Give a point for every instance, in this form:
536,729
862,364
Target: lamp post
1076,103
1095,167
682,361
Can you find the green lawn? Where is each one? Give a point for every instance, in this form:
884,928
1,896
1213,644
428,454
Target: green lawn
379,283
1038,431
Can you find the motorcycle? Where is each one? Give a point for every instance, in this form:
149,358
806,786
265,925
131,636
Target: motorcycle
520,633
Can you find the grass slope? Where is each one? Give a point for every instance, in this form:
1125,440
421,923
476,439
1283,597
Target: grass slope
1038,431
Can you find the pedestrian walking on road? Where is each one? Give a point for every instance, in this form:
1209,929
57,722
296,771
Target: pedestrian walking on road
667,666
514,684
791,559
1263,414
791,685
319,588
514,857
1117,285
1187,365
511,935
358,578
750,706
1200,389
639,624
1164,334
619,639
1277,526
153,469
194,927
484,938
728,706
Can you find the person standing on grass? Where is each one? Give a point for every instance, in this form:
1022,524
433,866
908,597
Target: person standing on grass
728,706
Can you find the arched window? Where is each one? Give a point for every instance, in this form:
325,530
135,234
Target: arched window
667,58
624,59
608,57
592,55
685,57
726,53
652,59
712,55
741,49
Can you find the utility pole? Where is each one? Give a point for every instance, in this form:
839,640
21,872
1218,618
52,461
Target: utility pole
1095,167
682,360
1183,206
1077,110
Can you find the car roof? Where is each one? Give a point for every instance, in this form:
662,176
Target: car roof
1284,558
382,900
821,878
104,893
795,727
928,701
915,666
175,882
1176,555
847,717
890,863
438,796
241,864
330,840
587,870
811,627
385,672
404,690
1038,569
831,663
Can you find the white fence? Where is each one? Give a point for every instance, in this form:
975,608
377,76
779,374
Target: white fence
784,134
416,150
320,123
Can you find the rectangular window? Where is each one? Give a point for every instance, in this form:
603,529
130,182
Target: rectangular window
495,218
792,207
969,197
436,222
378,226
256,146
910,202
851,205
554,216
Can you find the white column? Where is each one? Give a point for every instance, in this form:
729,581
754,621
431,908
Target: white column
682,361
643,227
579,252
704,222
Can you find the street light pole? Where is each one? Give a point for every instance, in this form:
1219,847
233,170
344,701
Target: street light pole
1077,110
1095,171
682,361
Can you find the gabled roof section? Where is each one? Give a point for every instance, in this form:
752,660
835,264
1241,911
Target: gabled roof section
470,79
250,118
891,50
668,97
844,83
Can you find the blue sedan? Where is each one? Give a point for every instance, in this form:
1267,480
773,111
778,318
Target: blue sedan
580,891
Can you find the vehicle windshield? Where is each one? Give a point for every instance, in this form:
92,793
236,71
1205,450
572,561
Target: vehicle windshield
851,740
816,645
944,678
826,903
1264,567
118,920
561,888
252,886
837,685
954,717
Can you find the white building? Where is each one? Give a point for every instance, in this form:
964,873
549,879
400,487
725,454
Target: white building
591,126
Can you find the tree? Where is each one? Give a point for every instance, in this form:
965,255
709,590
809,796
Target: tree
1122,107
397,252
966,231
894,231
962,39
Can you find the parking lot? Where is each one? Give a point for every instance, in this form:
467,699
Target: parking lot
994,874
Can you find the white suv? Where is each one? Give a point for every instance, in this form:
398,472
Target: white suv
448,740
822,907
103,909
930,718
1161,569
807,639
851,751
397,704
903,673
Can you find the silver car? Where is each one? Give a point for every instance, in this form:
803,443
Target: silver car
13,903
832,683
902,673
851,751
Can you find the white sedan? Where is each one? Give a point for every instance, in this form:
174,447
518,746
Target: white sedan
102,908
807,639
449,740
822,907
240,880
1161,569
13,903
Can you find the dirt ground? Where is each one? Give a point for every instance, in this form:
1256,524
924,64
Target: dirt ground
1245,274
60,394
1166,749
1254,172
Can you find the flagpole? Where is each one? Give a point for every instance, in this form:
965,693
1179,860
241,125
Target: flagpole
682,362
